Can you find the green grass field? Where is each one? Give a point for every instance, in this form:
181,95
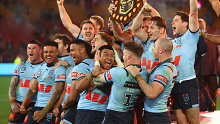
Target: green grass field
4,100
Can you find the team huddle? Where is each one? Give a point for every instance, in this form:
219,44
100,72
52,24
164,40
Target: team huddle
110,77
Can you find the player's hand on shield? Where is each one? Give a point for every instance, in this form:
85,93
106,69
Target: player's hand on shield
38,115
133,70
15,107
111,8
56,112
23,110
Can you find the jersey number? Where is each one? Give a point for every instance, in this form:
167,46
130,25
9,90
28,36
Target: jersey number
46,90
128,99
95,97
25,83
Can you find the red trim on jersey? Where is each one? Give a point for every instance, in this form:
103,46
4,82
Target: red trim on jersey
109,75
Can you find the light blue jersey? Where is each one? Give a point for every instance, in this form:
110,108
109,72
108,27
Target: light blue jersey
164,74
80,36
147,59
68,82
125,89
68,59
25,71
184,51
46,78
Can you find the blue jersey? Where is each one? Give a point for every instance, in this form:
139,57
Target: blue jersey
46,78
80,36
25,71
147,59
184,51
164,74
68,82
125,89
127,25
67,58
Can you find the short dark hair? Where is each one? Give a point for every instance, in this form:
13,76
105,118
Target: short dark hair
35,42
84,44
99,20
106,47
135,48
146,18
160,21
184,16
106,37
86,21
65,38
51,43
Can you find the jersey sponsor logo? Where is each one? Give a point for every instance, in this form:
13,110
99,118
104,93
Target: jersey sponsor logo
62,76
25,83
49,77
23,69
95,97
15,71
109,75
74,74
51,72
46,90
147,63
162,78
131,85
12,116
81,74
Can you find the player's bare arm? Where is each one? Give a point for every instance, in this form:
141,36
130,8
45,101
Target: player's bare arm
193,16
12,93
216,6
58,89
29,96
72,28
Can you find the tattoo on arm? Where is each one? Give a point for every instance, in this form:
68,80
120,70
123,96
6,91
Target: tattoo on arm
13,86
58,89
30,94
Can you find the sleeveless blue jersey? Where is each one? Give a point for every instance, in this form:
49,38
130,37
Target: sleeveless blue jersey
67,58
184,51
164,74
147,59
25,71
125,89
46,78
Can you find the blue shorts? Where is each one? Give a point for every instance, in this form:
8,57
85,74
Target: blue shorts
115,117
85,116
18,117
185,95
156,118
70,115
29,117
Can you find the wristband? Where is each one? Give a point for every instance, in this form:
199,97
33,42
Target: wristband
90,76
12,100
48,107
26,102
64,107
97,63
68,66
138,78
206,35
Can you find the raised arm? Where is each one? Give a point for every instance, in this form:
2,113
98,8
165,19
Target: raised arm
193,16
12,93
72,28
117,30
58,89
216,6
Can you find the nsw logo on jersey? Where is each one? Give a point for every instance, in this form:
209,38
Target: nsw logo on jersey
162,78
178,41
51,72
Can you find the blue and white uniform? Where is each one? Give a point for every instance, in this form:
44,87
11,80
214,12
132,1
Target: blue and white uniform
67,58
124,93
